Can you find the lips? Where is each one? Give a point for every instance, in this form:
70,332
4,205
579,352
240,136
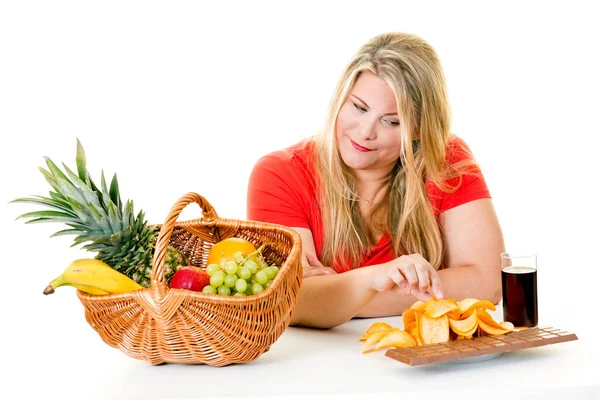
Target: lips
359,147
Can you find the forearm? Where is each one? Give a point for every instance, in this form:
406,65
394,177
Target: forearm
469,281
330,300
458,282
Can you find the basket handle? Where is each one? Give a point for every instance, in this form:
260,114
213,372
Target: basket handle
209,217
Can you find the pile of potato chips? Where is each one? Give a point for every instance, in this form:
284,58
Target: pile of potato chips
436,321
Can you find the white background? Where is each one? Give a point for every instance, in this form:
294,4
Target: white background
180,97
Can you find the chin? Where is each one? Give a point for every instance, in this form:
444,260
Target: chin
353,158
356,161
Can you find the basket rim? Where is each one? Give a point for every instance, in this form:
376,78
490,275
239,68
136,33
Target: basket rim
243,224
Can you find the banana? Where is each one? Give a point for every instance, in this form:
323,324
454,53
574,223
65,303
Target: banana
93,276
84,288
89,289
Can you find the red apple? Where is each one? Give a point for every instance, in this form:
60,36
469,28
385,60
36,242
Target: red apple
190,278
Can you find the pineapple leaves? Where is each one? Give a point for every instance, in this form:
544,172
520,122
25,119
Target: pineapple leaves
50,179
64,232
101,218
110,205
59,205
56,172
62,184
80,161
81,167
47,215
97,217
114,192
86,192
84,215
114,217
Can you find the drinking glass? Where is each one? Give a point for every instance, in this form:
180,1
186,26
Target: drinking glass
519,289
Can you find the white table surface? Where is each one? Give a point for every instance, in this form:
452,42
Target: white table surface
68,360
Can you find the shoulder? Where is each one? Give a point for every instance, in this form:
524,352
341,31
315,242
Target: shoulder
281,188
292,164
464,181
297,155
457,150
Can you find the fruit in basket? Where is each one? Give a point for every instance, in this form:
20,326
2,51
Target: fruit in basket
94,277
225,249
242,275
98,217
190,278
437,321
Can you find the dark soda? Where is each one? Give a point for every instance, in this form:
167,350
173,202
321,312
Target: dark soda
519,296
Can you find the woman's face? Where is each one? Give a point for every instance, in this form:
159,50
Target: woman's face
367,130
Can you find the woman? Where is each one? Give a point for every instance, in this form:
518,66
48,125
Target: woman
390,206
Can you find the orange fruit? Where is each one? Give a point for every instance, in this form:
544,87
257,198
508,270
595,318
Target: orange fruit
227,247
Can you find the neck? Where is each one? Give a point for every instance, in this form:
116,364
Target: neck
371,184
372,188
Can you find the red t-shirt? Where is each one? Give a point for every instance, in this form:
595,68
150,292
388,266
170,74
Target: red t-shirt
282,190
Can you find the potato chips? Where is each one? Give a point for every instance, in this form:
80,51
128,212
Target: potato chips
436,321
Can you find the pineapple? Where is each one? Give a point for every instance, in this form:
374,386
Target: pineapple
121,239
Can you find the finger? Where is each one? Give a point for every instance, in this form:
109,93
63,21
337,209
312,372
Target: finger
314,272
423,296
330,270
314,261
436,284
422,271
411,275
304,260
397,277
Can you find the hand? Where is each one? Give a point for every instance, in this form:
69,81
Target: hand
411,275
311,266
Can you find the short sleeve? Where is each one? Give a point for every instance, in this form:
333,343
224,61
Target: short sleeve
274,193
470,186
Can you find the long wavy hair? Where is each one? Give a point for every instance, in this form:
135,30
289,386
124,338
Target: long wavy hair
410,66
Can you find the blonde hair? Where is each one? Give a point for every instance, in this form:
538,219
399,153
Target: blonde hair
410,66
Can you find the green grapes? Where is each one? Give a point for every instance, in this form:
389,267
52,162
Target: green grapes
241,285
212,268
261,277
230,280
231,267
217,278
209,289
243,276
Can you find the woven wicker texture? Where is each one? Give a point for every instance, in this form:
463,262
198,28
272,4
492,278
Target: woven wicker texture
163,325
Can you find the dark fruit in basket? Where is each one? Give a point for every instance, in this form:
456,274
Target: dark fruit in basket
190,278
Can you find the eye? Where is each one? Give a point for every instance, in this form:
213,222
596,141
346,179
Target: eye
359,108
392,123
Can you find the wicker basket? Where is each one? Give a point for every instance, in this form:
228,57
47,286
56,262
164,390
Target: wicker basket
163,325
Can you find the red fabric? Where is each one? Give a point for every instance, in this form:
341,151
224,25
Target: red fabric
282,190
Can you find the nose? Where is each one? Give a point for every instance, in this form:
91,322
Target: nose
366,129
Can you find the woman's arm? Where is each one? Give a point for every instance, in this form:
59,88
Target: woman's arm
326,301
474,242
329,300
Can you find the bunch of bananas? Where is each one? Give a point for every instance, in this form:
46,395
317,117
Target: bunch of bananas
94,277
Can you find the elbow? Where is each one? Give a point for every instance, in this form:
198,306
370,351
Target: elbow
310,320
497,296
315,323
493,292
496,289
489,286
